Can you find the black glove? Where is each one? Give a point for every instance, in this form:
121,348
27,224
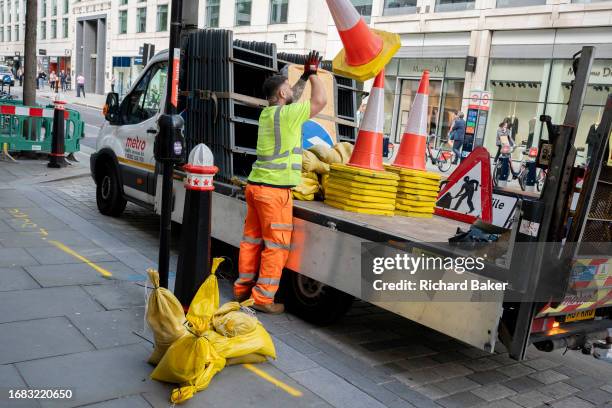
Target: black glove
311,65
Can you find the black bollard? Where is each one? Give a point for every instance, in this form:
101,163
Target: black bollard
194,257
56,157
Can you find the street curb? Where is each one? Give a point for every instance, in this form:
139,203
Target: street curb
76,103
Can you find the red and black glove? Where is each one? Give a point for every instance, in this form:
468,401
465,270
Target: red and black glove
311,66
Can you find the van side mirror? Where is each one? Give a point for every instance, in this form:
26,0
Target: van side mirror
111,108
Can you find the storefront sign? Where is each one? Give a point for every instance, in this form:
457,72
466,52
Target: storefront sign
42,52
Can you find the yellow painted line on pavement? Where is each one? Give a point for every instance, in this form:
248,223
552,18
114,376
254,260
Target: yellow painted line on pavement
285,387
70,251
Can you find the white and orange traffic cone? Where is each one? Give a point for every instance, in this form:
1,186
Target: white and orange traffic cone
366,51
411,153
367,153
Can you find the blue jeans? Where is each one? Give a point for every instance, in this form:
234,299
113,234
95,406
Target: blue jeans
457,145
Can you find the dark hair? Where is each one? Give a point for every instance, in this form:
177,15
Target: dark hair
502,124
272,84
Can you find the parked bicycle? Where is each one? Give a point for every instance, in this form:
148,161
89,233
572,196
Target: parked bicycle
443,158
503,166
528,174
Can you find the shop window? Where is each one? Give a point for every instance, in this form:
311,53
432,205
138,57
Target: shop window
599,86
141,20
519,3
212,13
518,92
122,21
162,17
454,5
364,7
395,7
278,11
243,12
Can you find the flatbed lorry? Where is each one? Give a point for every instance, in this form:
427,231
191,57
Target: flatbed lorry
327,242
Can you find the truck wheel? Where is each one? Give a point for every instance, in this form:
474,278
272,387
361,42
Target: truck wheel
313,301
109,199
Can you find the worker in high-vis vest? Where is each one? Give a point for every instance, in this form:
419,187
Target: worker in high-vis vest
268,226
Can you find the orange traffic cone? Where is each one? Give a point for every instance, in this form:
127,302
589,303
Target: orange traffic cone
366,51
367,153
411,152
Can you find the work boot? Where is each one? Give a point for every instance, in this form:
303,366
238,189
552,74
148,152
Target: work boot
242,298
270,308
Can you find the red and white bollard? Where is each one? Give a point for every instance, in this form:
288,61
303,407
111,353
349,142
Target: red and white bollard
194,257
56,157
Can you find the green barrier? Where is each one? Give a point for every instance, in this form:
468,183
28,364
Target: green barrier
34,134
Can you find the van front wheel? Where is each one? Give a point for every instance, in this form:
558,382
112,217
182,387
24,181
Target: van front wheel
108,192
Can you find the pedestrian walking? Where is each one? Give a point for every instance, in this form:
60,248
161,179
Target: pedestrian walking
457,135
20,76
63,80
52,80
264,249
80,80
502,130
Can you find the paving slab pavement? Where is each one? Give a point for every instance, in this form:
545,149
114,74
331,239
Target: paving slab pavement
97,344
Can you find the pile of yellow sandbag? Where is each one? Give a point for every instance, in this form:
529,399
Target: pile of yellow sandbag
417,192
211,338
316,163
361,190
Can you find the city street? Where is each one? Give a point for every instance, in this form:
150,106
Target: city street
96,340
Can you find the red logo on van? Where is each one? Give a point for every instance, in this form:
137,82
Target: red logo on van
135,143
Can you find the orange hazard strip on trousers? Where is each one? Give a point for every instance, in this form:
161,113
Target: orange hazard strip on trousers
266,242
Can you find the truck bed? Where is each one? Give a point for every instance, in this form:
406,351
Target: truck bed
436,229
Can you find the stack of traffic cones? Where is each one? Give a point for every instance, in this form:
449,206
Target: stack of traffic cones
418,188
366,50
363,185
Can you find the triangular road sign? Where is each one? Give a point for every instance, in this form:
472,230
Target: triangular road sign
467,194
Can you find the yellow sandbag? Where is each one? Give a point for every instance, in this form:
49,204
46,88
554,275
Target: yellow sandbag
253,358
415,209
413,214
390,205
345,149
351,208
230,321
413,173
165,317
365,172
368,189
360,197
310,163
258,341
190,361
342,177
303,197
324,182
326,154
206,300
416,186
310,175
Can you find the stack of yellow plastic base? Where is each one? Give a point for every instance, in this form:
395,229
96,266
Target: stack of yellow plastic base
416,193
361,190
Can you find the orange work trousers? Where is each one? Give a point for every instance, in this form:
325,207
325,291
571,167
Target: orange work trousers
266,242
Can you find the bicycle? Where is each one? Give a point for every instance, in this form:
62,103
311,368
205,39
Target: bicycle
443,158
503,166
528,163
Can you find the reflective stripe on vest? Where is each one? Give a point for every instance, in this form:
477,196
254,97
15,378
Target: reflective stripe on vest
277,166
